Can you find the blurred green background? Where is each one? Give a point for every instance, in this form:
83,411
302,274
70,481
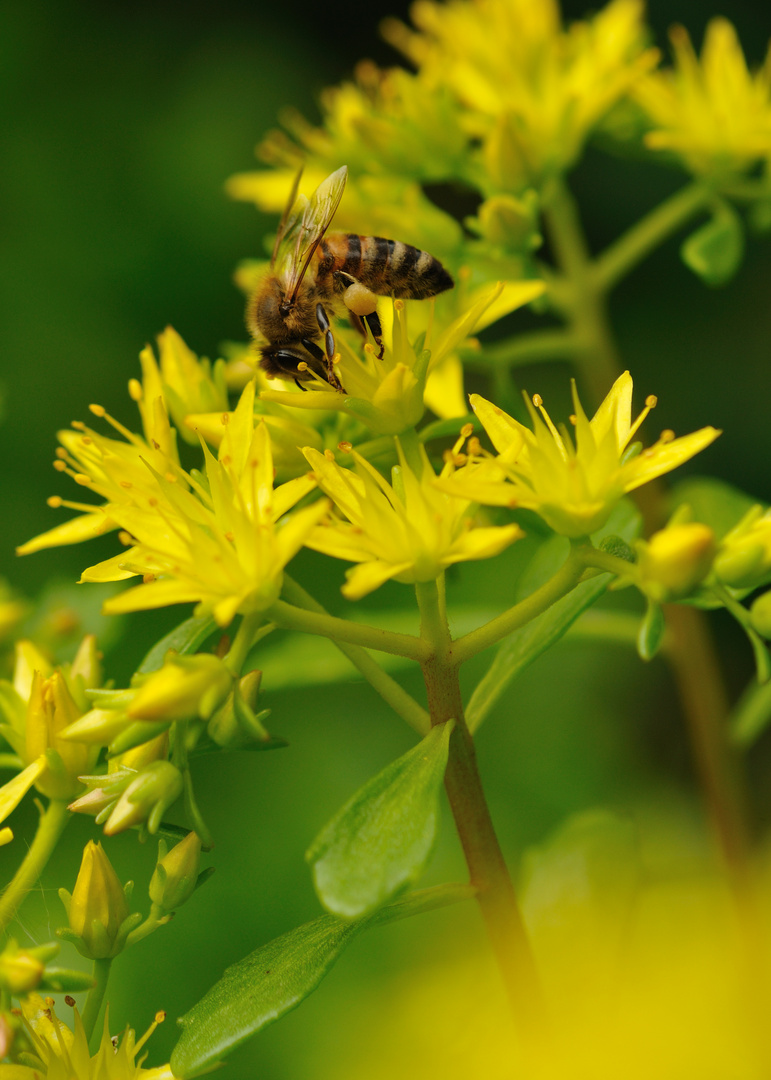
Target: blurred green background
121,123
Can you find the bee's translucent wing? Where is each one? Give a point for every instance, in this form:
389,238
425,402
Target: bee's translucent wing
290,217
305,227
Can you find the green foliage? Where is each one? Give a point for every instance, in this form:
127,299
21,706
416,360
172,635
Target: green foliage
715,251
274,979
651,632
380,841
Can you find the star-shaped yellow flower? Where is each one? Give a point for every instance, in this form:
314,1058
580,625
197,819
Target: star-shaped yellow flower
711,111
408,530
573,485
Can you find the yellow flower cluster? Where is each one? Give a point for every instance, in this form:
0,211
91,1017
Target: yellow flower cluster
712,111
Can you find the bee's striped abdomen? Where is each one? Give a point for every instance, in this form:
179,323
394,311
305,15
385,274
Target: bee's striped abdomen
387,267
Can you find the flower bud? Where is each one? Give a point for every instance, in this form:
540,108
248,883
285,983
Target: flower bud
185,687
51,709
146,798
760,615
673,561
97,909
744,559
236,723
176,873
86,668
20,970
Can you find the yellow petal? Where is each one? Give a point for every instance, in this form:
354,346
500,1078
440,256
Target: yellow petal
366,577
84,527
14,791
662,458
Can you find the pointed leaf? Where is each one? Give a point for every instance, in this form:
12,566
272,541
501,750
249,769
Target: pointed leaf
651,632
715,251
275,978
382,838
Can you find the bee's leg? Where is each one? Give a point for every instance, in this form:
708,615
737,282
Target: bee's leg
329,343
324,361
373,322
362,304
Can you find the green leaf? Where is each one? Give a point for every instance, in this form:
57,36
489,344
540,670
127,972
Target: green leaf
713,502
715,251
651,633
752,714
525,645
185,638
274,979
379,842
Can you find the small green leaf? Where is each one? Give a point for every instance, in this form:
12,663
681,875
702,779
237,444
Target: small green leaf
715,251
275,978
651,632
752,714
185,638
379,842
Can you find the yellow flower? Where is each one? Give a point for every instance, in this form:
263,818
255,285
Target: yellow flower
530,89
408,530
713,112
221,540
62,1054
181,384
38,709
573,487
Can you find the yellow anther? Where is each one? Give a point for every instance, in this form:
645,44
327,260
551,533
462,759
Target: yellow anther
126,484
474,446
329,455
302,366
467,431
60,466
225,460
573,419
537,401
345,447
125,538
135,390
97,410
229,537
78,425
82,479
61,452
667,435
170,477
160,1016
225,419
398,305
651,401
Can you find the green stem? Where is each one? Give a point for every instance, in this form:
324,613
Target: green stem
647,234
50,827
584,302
525,349
369,637
563,582
94,1002
389,689
487,869
243,641
695,664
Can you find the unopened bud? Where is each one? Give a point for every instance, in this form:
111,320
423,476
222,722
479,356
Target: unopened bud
146,798
744,559
97,909
185,687
176,873
675,560
760,615
20,970
51,709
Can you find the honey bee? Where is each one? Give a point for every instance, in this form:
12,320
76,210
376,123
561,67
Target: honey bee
313,277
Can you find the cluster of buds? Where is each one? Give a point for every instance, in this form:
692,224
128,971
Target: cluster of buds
100,923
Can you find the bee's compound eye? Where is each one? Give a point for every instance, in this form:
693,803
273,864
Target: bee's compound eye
359,299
